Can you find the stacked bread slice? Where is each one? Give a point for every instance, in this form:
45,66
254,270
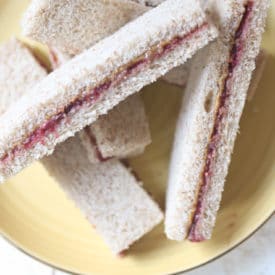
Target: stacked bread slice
82,119
121,133
209,118
69,29
75,95
108,194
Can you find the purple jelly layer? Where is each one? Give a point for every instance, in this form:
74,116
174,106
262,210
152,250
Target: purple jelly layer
51,125
94,143
55,63
235,56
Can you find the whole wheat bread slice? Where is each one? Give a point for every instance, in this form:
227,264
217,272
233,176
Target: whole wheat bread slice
194,193
16,59
177,76
123,132
107,193
101,68
109,196
69,29
72,26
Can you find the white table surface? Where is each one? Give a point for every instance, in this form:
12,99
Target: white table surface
253,257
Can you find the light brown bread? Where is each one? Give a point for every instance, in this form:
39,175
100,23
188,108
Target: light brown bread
108,195
72,26
86,72
16,59
177,76
57,18
123,132
196,122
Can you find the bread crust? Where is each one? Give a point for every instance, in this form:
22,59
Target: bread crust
108,195
200,103
71,27
121,133
90,68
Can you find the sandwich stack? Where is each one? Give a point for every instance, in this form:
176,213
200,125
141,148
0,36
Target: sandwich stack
69,29
73,96
108,194
84,117
209,119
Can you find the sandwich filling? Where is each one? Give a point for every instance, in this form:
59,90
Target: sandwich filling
54,59
211,151
88,96
55,64
95,145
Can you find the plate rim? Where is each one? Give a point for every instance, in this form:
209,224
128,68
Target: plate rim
12,242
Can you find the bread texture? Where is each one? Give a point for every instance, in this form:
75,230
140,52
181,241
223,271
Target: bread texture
110,197
197,117
57,20
123,132
17,60
108,194
177,76
71,26
83,73
69,29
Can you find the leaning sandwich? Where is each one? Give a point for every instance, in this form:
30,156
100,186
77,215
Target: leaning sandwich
68,27
73,96
209,119
108,194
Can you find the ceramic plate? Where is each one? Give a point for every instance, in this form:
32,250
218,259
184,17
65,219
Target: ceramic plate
36,216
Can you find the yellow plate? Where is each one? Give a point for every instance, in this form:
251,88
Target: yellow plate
36,216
